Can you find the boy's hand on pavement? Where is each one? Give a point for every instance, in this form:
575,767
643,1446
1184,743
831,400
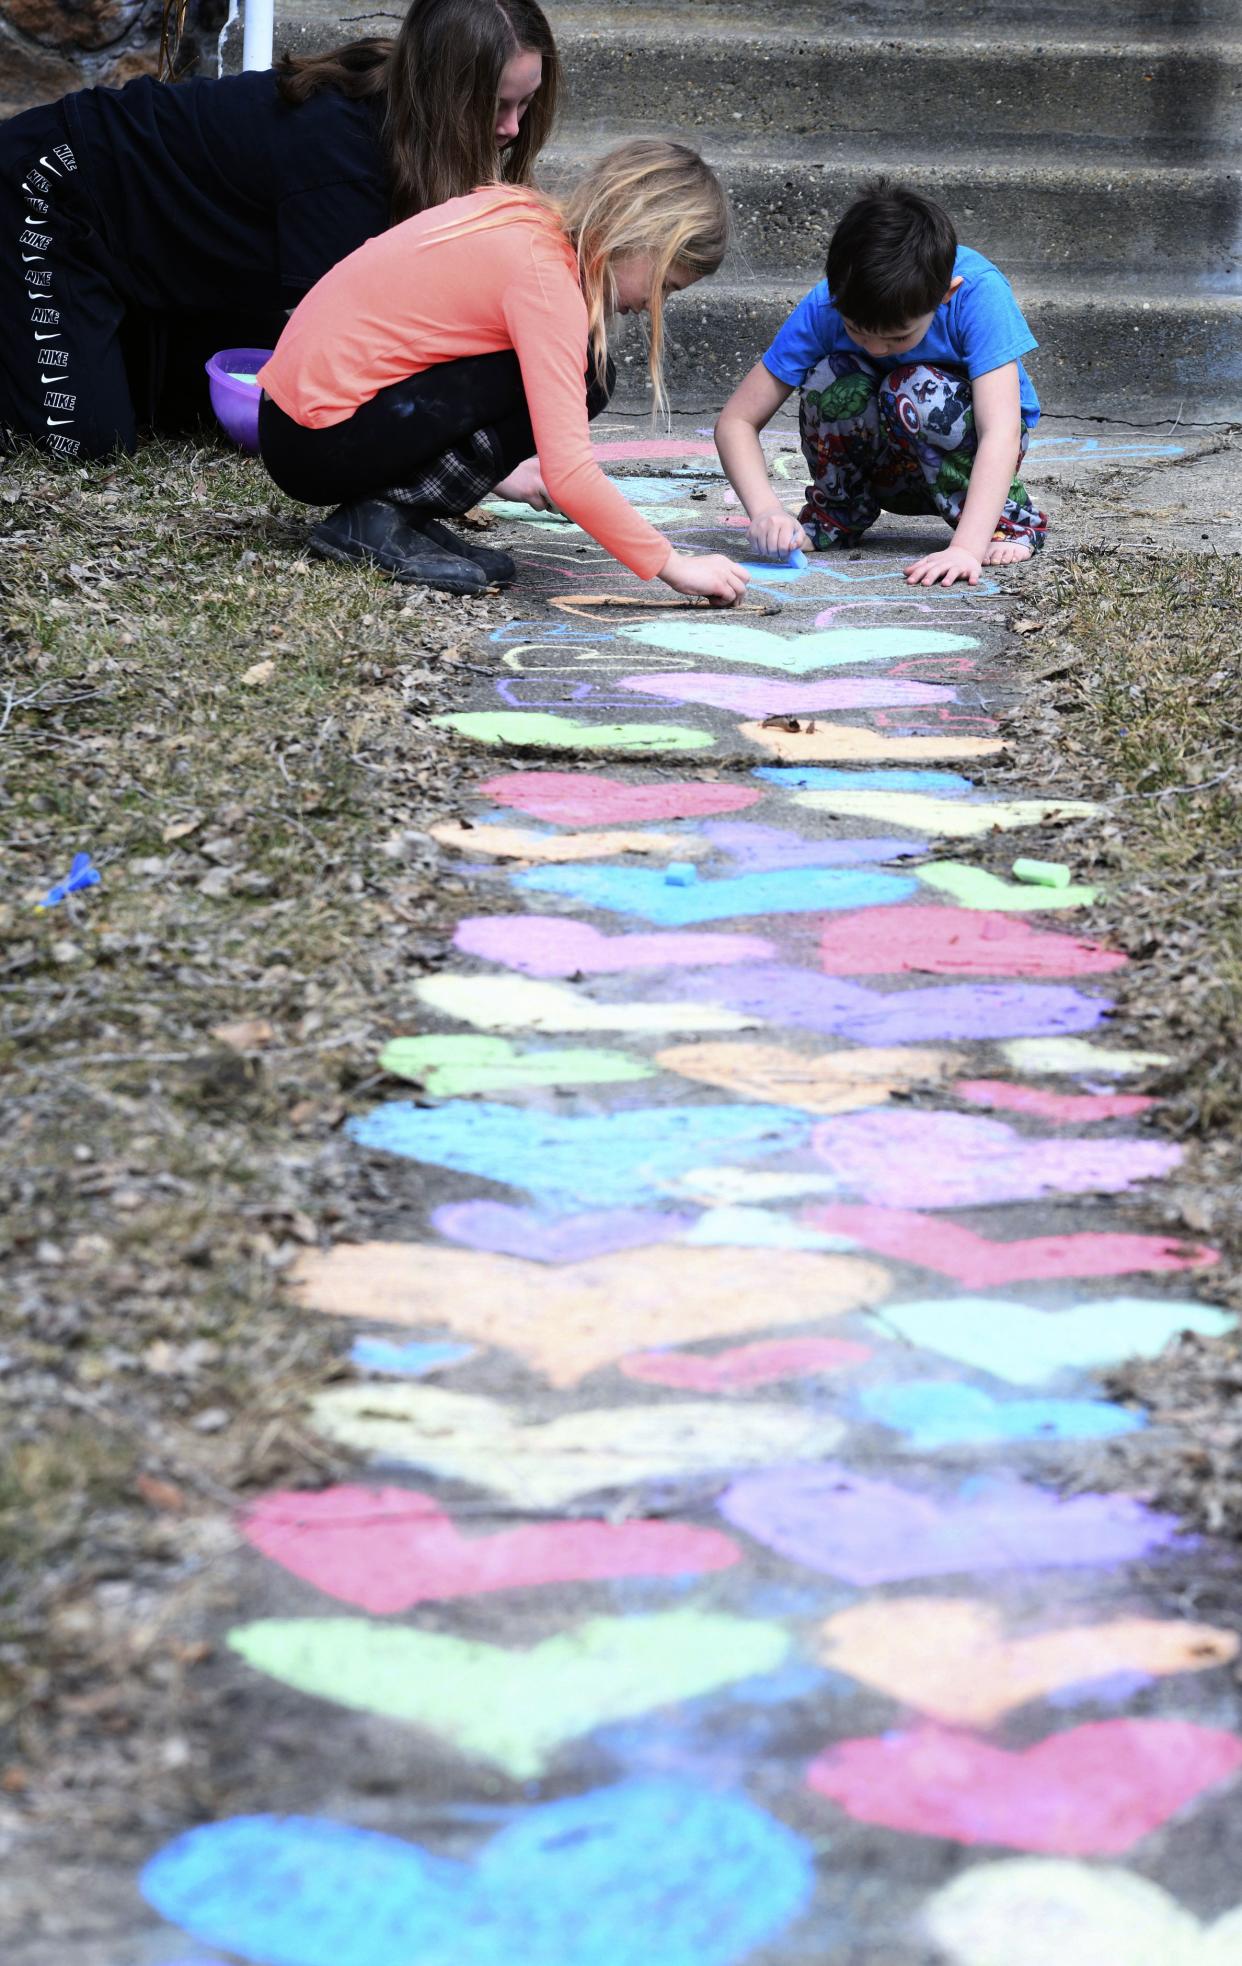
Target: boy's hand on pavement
710,575
526,487
772,535
950,564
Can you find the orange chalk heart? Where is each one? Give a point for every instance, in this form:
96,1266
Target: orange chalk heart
824,1082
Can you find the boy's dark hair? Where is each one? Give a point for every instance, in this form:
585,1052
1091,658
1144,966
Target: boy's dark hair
890,258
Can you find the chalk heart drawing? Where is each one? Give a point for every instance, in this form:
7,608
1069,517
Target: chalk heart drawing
955,1160
974,887
414,1360
950,1658
464,1437
539,730
875,1532
616,1877
757,696
767,849
387,1549
824,1082
946,942
1075,1056
620,1159
957,818
1096,1790
982,1264
1029,1347
578,798
775,993
936,1413
697,634
508,1231
1029,1911
569,1322
745,1367
512,1708
845,742
519,1003
521,843
453,1067
819,778
646,892
1064,1108
554,946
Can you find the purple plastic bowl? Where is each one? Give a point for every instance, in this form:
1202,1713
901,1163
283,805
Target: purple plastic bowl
235,403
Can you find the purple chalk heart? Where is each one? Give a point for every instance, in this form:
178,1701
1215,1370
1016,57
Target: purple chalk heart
555,945
873,1532
761,849
506,1231
757,696
952,1160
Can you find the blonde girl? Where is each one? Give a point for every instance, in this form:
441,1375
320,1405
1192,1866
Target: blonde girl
422,371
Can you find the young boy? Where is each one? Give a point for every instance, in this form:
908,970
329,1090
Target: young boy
912,396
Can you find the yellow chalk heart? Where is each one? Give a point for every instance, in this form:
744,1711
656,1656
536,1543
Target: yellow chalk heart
825,1082
519,1003
949,1658
572,1320
521,843
854,744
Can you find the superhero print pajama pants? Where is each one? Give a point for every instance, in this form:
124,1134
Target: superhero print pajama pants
903,441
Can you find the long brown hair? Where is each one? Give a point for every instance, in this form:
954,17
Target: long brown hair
439,81
649,197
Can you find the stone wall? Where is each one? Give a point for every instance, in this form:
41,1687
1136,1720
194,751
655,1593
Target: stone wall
48,47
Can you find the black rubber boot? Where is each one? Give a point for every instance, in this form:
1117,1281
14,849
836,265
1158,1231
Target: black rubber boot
375,533
499,567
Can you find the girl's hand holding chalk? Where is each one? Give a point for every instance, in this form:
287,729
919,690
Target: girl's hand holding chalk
775,534
709,575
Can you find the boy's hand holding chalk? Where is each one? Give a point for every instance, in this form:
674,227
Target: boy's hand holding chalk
775,535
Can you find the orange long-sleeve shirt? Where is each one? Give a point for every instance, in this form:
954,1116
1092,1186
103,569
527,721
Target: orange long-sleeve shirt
475,276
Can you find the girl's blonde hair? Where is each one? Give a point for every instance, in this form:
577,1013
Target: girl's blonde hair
647,196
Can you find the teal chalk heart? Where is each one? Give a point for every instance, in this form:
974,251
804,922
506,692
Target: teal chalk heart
456,1067
1030,1347
539,730
512,1708
710,636
935,1413
651,1870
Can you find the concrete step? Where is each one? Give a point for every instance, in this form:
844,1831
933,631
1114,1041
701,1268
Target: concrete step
1079,217
1175,20
782,82
1122,347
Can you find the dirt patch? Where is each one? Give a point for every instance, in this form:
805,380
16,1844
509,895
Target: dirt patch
241,739
1135,682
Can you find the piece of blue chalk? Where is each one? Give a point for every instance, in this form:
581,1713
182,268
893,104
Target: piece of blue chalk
680,873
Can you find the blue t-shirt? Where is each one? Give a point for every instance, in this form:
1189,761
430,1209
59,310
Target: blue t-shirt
979,328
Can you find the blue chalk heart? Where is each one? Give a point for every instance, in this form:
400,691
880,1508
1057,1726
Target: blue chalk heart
826,778
600,1160
648,1870
941,1413
643,891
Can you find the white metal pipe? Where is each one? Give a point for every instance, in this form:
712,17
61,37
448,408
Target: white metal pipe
258,33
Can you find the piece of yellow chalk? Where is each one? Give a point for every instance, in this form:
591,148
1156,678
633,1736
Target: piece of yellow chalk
1042,873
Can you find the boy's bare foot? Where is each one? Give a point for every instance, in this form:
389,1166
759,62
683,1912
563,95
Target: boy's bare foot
1004,552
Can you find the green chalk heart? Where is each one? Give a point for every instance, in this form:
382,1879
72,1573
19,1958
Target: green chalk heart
537,729
512,1708
973,887
455,1067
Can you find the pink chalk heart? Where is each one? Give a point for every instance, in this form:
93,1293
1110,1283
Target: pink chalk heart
579,798
953,1160
873,1532
955,942
509,1231
980,1263
556,945
1094,1791
386,1549
737,1370
1064,1108
759,696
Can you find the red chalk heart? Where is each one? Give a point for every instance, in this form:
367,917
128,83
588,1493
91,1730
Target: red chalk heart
1064,1108
762,1364
1094,1791
954,942
953,1251
386,1549
579,798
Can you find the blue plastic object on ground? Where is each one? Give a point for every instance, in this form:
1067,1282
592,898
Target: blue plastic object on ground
81,875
